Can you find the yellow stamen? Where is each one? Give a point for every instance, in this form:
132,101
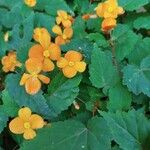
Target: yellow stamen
110,9
46,53
64,37
71,63
27,125
34,75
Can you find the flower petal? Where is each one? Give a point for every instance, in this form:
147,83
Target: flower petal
73,56
17,126
29,134
36,121
108,24
44,79
48,65
32,85
54,51
80,66
33,65
69,72
120,10
68,32
59,40
57,30
66,23
24,113
58,20
62,14
30,3
42,36
62,62
24,78
100,10
36,51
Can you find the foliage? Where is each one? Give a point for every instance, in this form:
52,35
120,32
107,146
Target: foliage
106,106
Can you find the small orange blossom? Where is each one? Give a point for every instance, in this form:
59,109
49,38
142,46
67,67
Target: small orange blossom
33,77
63,36
109,9
71,63
10,62
26,123
46,51
64,18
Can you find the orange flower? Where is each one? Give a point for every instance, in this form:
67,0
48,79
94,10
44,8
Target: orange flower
30,3
10,62
109,9
32,78
71,63
108,24
64,18
45,51
26,123
63,36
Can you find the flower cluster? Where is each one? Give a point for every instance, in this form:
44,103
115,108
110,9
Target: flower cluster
10,62
44,54
63,29
41,57
26,123
109,10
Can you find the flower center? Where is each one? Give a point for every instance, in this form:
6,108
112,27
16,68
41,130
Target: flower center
65,17
34,75
46,53
71,63
27,125
110,9
64,37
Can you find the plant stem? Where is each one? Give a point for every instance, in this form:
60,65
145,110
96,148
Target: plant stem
114,60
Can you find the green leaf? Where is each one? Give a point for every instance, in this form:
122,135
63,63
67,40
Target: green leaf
46,21
14,13
22,53
72,135
121,36
53,5
94,24
36,102
142,23
81,6
130,130
79,28
99,136
9,3
131,5
142,49
3,120
9,106
62,92
119,98
99,39
137,78
3,45
99,75
22,33
82,45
